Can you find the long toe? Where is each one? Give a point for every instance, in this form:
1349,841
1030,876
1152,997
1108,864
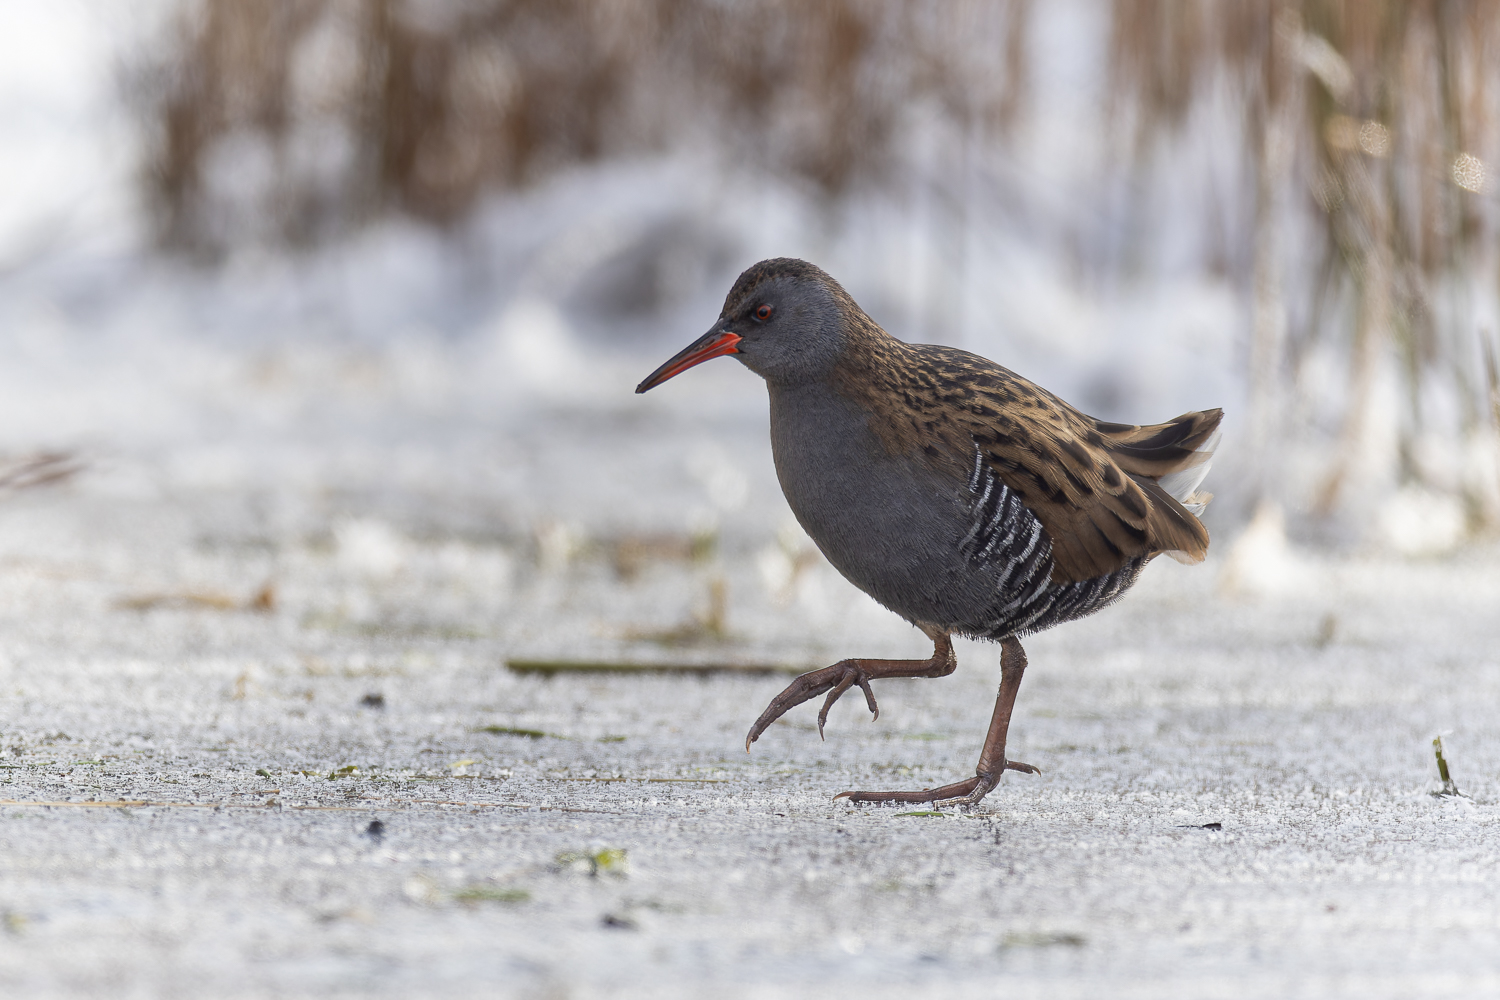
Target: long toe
966,793
958,789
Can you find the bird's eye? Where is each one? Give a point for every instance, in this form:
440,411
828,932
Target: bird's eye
763,313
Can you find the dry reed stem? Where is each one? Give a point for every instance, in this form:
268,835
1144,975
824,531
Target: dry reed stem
438,103
1364,117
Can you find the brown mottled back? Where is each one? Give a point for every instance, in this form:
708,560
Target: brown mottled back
1093,484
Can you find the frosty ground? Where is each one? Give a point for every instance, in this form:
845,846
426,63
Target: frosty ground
237,637
271,533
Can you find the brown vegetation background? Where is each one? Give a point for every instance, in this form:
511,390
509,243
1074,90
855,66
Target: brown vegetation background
1366,128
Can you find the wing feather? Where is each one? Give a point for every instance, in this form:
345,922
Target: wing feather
1105,493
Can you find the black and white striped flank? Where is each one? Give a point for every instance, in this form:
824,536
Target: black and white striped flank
1007,537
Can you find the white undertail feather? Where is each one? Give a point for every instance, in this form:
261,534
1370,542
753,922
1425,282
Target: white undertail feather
1182,485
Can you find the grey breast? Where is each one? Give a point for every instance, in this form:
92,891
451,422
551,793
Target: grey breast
889,523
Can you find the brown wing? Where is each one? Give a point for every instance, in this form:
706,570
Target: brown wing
1097,517
1094,486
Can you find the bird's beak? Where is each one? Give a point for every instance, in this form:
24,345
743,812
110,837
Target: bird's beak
713,344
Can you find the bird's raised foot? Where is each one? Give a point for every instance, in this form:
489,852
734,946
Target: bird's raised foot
835,680
961,793
845,674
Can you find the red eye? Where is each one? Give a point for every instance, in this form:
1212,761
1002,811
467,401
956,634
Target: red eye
763,313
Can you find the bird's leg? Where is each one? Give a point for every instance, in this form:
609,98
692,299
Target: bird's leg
845,674
992,762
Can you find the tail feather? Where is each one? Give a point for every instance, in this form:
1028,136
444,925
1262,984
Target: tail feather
1170,461
1183,484
1175,529
1155,451
1175,455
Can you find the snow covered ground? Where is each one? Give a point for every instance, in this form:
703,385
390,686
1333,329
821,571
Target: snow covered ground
230,645
269,536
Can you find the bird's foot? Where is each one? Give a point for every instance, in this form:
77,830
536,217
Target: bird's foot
835,680
961,793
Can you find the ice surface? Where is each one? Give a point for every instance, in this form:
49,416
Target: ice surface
384,469
1298,720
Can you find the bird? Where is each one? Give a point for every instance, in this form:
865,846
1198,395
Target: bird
956,493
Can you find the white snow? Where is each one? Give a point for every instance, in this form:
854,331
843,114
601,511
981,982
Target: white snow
422,457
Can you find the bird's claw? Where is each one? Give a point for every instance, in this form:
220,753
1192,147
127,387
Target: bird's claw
835,680
852,676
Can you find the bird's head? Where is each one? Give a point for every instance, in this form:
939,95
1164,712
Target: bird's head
783,319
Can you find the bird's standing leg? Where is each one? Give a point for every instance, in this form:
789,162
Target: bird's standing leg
992,762
846,673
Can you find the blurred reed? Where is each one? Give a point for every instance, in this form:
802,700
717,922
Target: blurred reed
1368,126
292,120
1366,129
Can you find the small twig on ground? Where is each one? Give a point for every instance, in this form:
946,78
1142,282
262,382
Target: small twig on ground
550,667
41,469
262,601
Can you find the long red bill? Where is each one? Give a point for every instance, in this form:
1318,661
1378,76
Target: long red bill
714,344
